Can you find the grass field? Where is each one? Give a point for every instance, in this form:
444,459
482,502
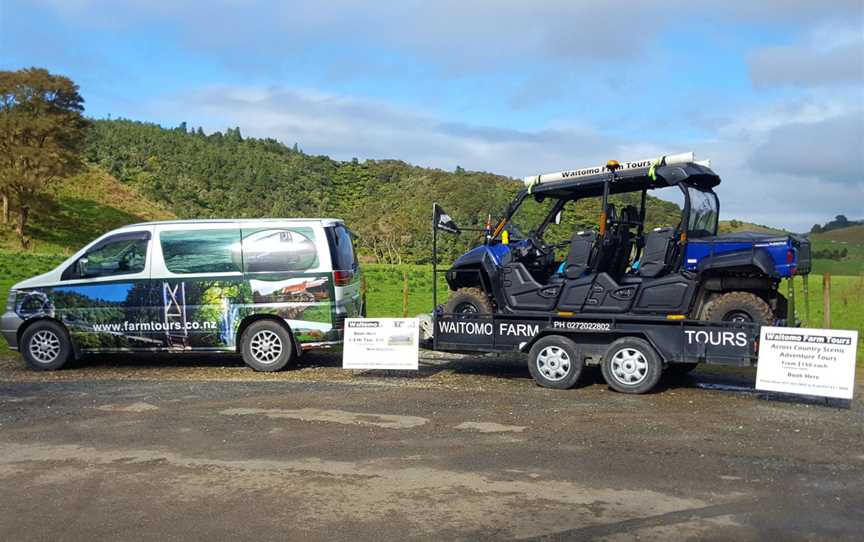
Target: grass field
384,291
851,239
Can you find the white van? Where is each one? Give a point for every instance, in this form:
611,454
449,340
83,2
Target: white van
266,288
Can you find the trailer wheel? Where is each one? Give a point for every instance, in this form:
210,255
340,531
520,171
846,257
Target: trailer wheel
468,301
631,365
555,362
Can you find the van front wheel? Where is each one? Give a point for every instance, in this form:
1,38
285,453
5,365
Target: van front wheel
267,346
45,346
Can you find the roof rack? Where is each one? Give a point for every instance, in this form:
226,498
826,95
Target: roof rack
665,160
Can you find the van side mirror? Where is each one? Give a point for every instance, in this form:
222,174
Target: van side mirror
82,267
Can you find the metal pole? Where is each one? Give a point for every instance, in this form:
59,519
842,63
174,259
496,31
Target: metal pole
434,260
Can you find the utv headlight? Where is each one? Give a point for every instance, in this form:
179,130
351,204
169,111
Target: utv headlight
10,300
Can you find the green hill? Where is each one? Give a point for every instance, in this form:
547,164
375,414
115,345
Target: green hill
734,226
80,208
386,202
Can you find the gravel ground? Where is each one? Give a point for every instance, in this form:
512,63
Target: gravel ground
197,448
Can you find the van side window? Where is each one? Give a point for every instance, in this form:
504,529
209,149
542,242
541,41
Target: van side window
271,250
201,251
121,254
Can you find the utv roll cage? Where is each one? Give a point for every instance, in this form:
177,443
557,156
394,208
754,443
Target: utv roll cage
612,181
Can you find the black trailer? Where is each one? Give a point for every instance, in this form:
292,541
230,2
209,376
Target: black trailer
633,352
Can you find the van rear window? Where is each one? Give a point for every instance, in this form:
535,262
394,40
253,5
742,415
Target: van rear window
201,251
341,248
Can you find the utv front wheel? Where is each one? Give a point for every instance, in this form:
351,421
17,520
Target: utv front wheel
739,307
468,301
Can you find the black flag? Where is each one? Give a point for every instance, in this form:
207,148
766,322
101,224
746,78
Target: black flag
443,221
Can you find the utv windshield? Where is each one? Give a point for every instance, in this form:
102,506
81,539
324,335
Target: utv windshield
703,213
529,216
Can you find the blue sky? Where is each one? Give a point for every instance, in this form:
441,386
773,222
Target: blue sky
771,91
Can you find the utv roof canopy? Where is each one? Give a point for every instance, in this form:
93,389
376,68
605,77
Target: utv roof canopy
627,177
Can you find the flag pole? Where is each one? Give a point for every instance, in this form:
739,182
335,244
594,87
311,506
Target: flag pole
434,258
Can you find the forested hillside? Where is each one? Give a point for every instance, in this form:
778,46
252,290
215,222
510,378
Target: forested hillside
387,202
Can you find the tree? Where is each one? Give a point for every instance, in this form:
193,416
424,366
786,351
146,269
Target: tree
817,228
41,136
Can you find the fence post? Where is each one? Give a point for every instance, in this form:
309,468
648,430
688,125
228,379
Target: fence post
405,293
790,298
806,299
363,295
826,300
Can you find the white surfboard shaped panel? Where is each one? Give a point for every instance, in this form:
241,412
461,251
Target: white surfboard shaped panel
669,159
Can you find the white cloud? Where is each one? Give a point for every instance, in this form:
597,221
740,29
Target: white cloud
791,166
829,54
453,35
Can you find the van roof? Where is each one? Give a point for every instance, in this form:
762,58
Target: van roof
322,221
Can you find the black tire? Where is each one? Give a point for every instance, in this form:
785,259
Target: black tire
468,301
45,346
739,307
631,365
555,362
267,346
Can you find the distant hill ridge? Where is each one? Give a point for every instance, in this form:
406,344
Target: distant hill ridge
387,202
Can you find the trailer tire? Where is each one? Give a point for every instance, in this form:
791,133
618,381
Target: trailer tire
555,362
739,307
631,365
468,301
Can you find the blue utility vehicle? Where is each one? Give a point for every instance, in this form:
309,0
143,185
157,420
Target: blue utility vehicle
683,270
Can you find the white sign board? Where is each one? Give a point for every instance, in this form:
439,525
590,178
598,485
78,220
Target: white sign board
807,361
381,343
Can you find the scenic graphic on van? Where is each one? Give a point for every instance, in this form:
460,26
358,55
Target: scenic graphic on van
198,286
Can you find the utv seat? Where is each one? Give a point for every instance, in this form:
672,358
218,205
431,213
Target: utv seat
659,253
625,241
583,250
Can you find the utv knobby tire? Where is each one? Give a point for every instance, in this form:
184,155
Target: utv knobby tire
468,301
45,346
739,307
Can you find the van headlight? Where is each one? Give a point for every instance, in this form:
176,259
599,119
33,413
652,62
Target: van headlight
10,300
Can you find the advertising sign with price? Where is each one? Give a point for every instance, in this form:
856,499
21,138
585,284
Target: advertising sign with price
807,361
381,343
